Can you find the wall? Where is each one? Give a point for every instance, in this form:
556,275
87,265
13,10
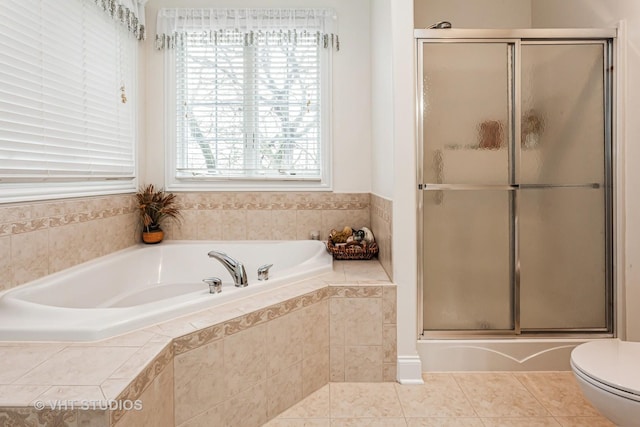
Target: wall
381,100
42,238
474,13
596,14
351,118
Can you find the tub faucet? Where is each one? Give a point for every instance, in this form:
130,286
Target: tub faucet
233,266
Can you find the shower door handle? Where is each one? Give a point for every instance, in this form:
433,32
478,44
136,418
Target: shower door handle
594,185
440,187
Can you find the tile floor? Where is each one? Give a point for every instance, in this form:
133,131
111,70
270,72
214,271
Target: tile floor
505,399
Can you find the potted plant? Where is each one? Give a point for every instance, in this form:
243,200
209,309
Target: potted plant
155,207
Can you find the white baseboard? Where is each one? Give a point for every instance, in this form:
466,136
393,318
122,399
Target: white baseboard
410,370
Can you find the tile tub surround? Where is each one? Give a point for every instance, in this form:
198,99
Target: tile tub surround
381,222
193,369
41,238
267,215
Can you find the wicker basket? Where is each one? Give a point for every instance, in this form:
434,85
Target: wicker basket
352,251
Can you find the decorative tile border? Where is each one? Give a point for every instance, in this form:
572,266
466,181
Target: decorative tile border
25,218
143,380
204,336
273,201
356,291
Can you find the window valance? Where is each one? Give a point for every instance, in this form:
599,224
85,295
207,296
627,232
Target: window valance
278,26
128,12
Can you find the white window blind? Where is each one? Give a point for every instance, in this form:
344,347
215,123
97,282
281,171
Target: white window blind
66,69
251,105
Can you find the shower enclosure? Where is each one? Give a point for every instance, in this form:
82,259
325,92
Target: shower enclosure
515,182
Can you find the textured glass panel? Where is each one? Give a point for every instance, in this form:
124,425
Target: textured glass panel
562,114
562,258
466,260
465,104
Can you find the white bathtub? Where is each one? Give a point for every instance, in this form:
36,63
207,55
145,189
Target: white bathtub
143,285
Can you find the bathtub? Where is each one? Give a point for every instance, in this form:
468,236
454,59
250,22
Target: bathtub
143,285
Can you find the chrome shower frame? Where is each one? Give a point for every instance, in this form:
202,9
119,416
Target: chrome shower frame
516,38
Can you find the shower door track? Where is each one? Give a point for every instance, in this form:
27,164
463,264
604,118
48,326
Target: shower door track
518,37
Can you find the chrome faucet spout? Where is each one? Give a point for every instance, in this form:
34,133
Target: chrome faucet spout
233,266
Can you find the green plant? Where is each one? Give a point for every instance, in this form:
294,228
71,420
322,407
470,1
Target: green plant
155,207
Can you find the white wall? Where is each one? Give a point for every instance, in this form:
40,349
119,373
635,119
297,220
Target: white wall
607,13
381,100
474,13
351,90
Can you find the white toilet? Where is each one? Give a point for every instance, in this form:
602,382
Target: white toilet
608,372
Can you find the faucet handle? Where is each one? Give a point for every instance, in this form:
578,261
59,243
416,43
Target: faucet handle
215,284
263,272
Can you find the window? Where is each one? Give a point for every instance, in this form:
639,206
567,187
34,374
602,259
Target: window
251,108
67,91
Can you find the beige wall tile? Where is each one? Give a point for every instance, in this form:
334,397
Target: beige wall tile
155,408
284,390
6,271
389,343
316,405
245,359
93,418
389,372
308,220
199,380
356,321
234,225
209,225
339,218
336,360
259,225
389,304
64,251
315,371
29,256
212,417
240,411
363,363
186,229
284,225
315,320
285,339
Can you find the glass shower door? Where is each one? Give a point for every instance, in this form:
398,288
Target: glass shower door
516,186
467,230
561,198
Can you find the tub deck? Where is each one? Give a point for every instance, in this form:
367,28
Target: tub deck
94,373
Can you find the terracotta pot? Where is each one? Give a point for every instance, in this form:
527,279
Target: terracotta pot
152,237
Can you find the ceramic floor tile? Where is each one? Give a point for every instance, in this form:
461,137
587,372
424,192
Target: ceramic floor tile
499,395
521,422
369,422
316,405
300,422
584,422
444,422
350,400
439,396
558,392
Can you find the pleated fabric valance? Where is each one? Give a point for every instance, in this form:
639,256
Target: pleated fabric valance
129,12
281,26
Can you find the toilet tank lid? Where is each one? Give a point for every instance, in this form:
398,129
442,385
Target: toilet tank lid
612,362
